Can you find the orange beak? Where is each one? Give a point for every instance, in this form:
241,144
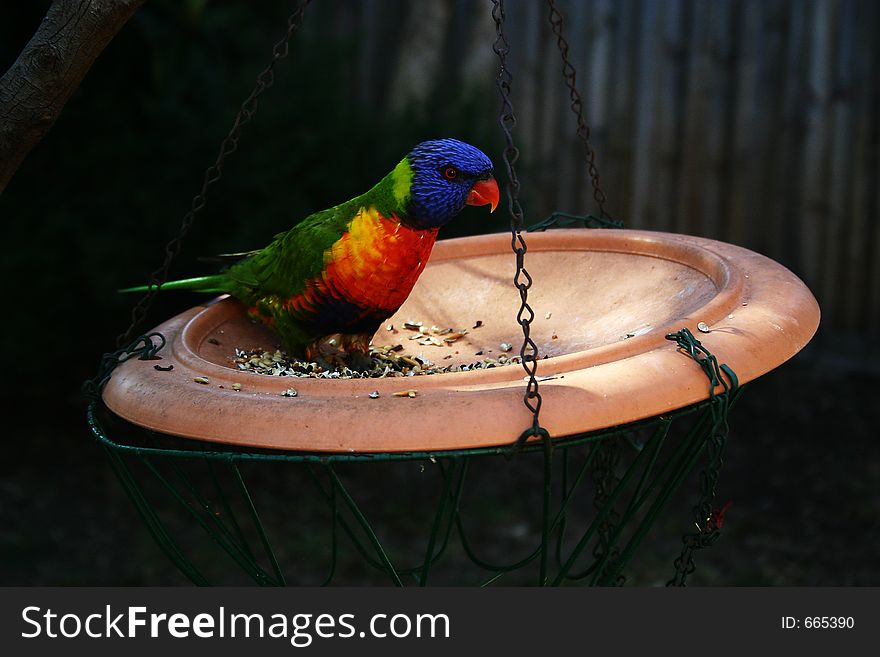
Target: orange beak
484,192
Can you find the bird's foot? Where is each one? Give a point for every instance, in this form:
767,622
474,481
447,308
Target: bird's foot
341,350
359,361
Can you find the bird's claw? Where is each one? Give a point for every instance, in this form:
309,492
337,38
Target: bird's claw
341,350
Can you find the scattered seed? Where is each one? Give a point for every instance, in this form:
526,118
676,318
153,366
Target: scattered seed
554,336
236,386
374,394
202,379
389,327
639,331
454,336
290,392
163,368
386,362
703,327
478,324
412,326
506,346
214,341
548,315
479,353
406,393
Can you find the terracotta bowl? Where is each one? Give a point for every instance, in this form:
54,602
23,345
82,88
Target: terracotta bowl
603,300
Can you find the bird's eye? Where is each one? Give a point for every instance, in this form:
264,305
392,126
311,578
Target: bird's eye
450,173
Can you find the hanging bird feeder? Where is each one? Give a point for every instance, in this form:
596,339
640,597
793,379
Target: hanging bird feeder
622,333
605,360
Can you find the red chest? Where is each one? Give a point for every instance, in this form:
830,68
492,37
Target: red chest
377,262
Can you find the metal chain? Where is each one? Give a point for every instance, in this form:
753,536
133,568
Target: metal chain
522,280
569,74
213,173
707,520
565,219
606,481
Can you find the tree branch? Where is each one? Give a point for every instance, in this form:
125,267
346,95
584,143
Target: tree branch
37,86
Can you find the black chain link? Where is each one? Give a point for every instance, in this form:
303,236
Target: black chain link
569,74
522,280
606,481
707,520
564,219
213,173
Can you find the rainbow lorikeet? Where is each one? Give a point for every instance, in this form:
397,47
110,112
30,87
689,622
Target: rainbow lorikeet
327,284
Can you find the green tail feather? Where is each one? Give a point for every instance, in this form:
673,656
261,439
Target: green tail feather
215,283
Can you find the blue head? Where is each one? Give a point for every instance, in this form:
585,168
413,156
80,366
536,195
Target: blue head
447,174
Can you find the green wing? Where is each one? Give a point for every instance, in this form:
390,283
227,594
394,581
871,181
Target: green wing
295,256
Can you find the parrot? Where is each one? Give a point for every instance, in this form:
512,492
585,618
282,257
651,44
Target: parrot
326,285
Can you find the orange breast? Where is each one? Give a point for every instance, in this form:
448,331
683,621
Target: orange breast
377,262
368,273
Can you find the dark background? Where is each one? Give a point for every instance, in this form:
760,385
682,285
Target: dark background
94,203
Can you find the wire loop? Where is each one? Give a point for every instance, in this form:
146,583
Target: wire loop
707,520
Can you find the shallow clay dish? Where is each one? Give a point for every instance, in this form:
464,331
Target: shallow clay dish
603,301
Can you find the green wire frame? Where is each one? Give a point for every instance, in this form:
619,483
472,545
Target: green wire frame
632,498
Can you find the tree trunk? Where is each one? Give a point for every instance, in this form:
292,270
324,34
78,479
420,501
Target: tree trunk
36,87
